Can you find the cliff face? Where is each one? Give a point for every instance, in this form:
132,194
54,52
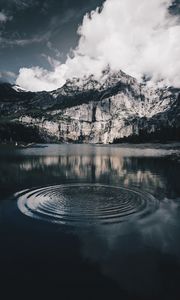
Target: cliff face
91,111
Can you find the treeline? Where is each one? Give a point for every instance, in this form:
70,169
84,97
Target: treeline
162,135
16,132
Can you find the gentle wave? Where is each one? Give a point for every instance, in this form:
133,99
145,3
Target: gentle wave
85,204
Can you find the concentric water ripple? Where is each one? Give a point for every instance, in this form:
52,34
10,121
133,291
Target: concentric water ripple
81,204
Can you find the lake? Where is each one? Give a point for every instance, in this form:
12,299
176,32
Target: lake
90,222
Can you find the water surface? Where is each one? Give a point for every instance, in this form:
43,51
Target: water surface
84,221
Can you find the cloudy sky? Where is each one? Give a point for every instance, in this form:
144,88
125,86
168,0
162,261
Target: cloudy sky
42,43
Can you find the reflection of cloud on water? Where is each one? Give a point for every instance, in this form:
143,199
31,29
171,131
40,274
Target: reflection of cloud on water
159,229
162,229
130,253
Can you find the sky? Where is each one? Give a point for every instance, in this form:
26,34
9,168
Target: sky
42,43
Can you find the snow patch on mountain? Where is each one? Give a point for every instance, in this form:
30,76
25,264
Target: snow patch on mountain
19,89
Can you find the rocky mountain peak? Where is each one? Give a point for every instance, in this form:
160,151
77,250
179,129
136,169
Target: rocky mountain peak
108,79
91,109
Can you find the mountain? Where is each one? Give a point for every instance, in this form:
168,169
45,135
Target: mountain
111,109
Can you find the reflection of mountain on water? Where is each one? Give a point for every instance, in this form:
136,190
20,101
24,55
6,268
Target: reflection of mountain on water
150,173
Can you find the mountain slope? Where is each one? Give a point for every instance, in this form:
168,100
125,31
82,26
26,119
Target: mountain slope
89,110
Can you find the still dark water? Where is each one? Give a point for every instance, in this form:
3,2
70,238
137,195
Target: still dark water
90,222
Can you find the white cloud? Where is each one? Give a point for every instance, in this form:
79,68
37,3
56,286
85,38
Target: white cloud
7,76
38,79
7,42
3,17
139,37
7,73
23,4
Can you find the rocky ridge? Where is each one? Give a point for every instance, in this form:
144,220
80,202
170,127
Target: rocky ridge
107,110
